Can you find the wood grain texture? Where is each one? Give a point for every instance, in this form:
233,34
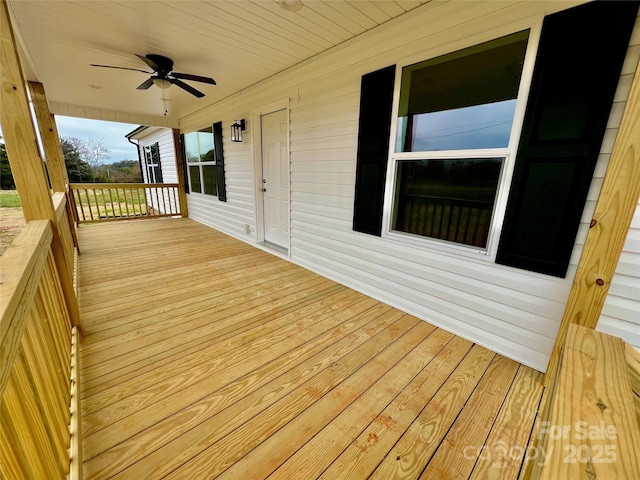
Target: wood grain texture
613,214
76,471
50,138
413,451
502,456
22,266
182,196
223,360
18,130
362,456
22,150
592,430
462,445
633,362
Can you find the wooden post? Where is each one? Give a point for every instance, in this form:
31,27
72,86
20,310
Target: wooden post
52,149
22,149
50,139
182,195
611,220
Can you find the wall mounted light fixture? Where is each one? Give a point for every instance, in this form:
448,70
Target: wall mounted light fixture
236,130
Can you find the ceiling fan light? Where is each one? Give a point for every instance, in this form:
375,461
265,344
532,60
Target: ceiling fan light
162,83
291,5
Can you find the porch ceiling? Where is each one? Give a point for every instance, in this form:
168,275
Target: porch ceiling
237,42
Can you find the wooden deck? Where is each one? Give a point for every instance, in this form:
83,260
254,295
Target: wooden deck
205,357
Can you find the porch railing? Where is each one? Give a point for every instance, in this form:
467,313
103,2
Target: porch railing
35,341
455,220
100,202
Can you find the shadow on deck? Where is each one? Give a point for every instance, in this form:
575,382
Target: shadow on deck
206,357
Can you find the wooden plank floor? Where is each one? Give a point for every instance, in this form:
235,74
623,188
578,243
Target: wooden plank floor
205,357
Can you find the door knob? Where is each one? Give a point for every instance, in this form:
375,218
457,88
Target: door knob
263,189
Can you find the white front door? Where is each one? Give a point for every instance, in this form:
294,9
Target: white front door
275,178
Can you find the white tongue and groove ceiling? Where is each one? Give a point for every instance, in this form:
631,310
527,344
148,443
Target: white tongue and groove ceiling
237,42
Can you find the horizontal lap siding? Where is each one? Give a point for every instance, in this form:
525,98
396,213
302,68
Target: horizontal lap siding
510,311
164,137
617,109
239,209
621,311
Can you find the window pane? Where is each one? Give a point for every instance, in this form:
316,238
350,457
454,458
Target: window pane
463,100
191,147
210,179
194,175
205,140
447,199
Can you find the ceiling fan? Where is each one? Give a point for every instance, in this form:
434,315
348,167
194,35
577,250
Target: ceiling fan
163,75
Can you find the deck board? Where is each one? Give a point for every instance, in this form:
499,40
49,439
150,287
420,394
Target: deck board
205,357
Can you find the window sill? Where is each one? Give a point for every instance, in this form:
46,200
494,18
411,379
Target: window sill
438,246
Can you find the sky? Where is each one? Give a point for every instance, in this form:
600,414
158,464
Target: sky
111,133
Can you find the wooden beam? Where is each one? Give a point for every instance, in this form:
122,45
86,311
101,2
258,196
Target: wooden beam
50,139
182,195
19,133
611,220
22,149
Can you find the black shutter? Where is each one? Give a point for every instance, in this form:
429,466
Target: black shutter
219,152
374,130
185,172
575,77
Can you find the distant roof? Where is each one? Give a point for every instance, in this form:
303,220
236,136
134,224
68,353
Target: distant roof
140,129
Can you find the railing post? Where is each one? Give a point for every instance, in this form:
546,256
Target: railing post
50,139
612,217
22,149
182,195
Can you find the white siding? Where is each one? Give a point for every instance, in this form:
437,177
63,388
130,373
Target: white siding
164,137
511,311
621,313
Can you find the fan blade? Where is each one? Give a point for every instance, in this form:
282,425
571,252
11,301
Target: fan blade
121,68
146,84
186,87
195,78
149,62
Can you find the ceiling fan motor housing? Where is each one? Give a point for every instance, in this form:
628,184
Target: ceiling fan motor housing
164,64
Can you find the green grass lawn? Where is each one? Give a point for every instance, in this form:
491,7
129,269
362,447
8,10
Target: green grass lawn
9,198
110,202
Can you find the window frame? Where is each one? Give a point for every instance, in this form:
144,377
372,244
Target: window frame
508,153
152,169
201,164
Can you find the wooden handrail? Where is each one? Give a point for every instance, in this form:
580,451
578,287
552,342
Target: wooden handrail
588,427
633,362
98,186
99,202
35,346
22,265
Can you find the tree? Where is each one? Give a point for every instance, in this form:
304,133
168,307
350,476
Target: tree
125,171
95,153
78,169
6,178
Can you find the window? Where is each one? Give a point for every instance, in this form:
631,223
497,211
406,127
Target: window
201,161
447,199
456,176
152,163
455,116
